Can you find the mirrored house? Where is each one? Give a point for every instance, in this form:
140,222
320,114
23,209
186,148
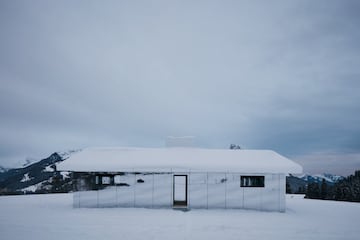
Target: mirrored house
179,178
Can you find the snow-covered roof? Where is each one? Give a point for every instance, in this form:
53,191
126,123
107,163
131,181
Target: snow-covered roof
178,159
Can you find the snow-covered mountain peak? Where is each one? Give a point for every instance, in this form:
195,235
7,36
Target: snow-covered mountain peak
330,178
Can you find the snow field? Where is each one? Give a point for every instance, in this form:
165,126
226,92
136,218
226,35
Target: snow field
52,216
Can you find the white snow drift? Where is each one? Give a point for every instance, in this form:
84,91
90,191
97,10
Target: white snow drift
52,217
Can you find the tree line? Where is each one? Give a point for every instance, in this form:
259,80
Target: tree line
347,189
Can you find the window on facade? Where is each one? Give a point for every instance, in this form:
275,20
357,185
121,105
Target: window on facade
105,180
252,181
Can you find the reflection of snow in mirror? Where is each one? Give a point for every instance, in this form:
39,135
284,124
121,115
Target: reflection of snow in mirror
180,188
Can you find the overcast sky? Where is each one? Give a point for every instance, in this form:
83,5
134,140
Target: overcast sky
281,75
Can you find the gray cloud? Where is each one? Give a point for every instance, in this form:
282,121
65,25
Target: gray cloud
280,75
329,162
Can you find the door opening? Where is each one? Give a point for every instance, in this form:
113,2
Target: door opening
180,191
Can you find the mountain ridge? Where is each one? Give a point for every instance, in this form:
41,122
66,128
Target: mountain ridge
37,177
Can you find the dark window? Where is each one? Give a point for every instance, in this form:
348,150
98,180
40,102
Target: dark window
252,181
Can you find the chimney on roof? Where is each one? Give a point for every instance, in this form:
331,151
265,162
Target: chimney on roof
185,141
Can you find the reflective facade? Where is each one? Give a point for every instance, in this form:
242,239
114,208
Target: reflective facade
160,190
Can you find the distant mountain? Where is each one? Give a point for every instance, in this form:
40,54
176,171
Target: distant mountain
298,184
3,169
29,161
38,177
318,178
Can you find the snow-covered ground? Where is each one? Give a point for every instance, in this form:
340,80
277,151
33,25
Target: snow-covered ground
51,216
